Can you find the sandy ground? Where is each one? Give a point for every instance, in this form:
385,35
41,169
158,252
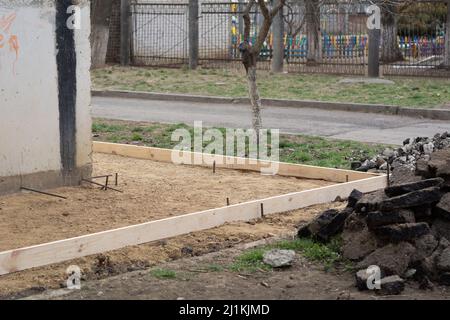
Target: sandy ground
151,191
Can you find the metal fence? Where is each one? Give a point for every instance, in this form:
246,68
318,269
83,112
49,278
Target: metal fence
342,39
160,38
420,41
222,26
160,34
221,31
113,54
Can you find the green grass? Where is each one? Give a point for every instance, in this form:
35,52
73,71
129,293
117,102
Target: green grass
294,149
250,261
328,255
163,274
406,92
98,127
136,137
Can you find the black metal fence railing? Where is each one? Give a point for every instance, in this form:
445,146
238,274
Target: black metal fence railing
421,42
222,26
113,53
333,41
332,38
221,31
160,34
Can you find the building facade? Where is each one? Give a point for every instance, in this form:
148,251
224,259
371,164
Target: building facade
45,114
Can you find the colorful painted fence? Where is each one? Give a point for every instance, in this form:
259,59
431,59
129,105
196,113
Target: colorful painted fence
160,38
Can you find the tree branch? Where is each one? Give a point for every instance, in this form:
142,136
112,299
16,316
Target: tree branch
265,12
277,8
247,20
265,28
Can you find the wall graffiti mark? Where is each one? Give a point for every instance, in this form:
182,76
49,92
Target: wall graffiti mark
9,40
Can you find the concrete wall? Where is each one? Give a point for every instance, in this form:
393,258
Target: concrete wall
30,100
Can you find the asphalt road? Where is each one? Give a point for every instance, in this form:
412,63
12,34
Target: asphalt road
356,126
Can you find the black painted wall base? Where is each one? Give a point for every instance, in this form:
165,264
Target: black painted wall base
66,60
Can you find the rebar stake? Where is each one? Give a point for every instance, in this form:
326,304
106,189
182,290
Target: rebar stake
101,185
45,193
106,183
104,176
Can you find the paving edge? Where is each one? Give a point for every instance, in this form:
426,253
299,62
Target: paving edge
435,114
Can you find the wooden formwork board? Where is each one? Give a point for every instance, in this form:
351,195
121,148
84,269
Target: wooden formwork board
68,249
284,169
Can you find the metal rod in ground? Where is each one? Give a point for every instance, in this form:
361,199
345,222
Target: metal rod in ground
101,185
116,182
228,202
214,167
262,210
42,192
107,182
347,178
104,176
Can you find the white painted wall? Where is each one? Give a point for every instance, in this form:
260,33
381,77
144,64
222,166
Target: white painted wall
29,127
29,117
84,121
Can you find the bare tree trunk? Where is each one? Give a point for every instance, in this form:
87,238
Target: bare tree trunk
254,99
101,14
313,32
390,51
250,54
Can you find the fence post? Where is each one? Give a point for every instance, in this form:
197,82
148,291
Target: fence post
125,32
193,34
278,41
374,53
447,38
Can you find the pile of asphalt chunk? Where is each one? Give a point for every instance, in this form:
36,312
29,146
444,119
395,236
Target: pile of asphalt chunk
406,157
403,230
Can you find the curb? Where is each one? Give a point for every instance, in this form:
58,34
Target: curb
435,114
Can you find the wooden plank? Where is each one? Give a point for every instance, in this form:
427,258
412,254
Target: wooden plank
63,250
237,163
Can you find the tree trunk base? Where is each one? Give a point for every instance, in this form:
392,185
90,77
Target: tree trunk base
254,99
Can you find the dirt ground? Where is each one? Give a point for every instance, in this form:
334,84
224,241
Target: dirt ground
141,257
196,279
151,191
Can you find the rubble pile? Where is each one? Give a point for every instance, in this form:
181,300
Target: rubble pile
406,157
404,230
